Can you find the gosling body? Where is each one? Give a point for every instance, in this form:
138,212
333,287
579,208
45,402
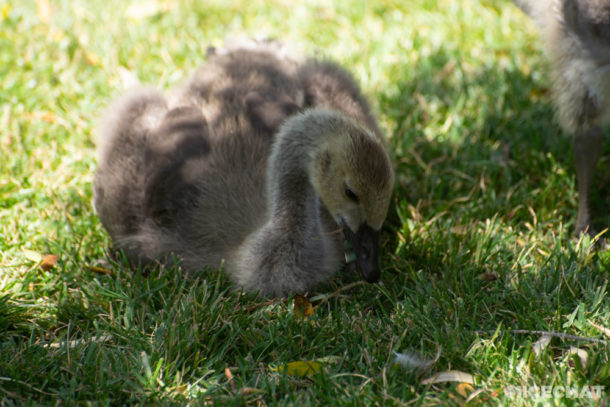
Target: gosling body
245,165
576,36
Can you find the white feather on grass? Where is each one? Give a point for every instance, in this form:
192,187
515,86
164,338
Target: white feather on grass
414,361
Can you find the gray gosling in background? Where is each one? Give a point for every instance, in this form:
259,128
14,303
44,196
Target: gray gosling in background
576,35
258,161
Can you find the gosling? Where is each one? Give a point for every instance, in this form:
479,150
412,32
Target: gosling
576,35
260,161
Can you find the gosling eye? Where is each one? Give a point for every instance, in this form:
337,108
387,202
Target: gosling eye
351,195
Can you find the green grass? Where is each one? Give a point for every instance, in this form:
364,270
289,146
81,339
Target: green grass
478,237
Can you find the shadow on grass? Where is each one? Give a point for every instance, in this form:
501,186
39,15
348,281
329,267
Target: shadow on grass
109,336
481,185
494,127
479,234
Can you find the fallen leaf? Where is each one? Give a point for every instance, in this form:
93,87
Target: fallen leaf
181,388
540,345
49,261
302,306
583,356
32,255
246,391
488,276
229,377
45,116
464,389
450,376
93,59
228,374
475,394
301,368
99,270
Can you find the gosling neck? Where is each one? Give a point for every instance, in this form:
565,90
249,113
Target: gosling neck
294,202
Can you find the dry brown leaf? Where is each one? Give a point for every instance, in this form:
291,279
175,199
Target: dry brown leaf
450,376
246,391
45,116
464,389
182,389
229,377
302,306
99,270
49,261
489,276
93,59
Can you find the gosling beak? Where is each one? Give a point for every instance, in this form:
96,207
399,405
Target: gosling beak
366,245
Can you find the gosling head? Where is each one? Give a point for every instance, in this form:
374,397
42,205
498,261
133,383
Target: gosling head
352,174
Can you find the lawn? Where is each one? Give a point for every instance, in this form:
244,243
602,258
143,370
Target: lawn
478,252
